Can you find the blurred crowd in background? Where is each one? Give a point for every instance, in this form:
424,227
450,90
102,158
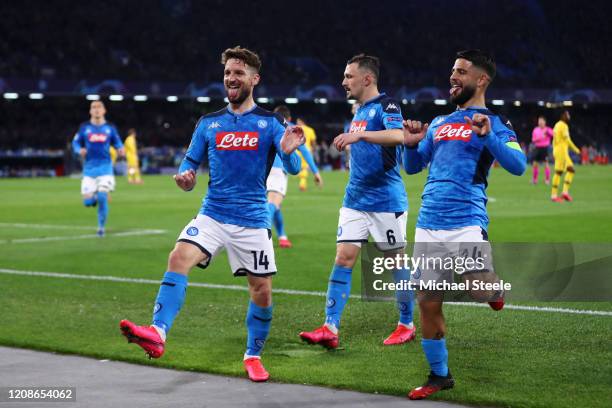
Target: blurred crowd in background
543,44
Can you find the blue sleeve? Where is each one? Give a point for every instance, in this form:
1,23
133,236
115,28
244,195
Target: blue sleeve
503,145
418,157
291,162
115,139
391,114
309,159
196,151
78,141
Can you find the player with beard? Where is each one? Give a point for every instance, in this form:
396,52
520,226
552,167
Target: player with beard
240,142
459,149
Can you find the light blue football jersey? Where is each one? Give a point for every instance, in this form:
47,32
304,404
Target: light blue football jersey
459,161
375,183
240,149
97,139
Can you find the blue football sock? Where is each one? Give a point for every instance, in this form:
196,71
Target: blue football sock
102,208
279,224
169,300
405,298
338,291
258,322
437,355
89,202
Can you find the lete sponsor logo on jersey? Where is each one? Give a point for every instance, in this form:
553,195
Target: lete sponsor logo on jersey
237,140
97,137
453,131
358,126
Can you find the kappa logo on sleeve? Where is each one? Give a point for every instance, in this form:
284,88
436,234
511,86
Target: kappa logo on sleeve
392,107
453,131
358,126
237,140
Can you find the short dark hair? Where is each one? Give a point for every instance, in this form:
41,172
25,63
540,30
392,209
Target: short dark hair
243,54
369,62
480,59
284,111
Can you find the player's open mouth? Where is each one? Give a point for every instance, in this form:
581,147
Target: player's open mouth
455,89
232,91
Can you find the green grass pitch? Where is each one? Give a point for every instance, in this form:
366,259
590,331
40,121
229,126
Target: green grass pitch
512,358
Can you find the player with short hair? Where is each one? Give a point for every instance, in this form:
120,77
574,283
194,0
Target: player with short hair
459,149
277,183
563,162
240,142
92,142
541,137
375,202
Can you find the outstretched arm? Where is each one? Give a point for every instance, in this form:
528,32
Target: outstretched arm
386,137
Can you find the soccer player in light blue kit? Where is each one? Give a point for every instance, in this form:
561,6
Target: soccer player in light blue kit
278,180
93,141
460,149
375,202
240,142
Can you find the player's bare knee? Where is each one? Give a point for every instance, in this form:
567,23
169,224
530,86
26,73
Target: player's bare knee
570,169
346,255
558,172
177,261
260,289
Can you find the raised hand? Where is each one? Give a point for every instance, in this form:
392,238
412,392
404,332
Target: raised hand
481,124
292,139
414,132
186,180
83,152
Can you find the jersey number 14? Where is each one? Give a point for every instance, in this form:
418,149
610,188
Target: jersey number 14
263,260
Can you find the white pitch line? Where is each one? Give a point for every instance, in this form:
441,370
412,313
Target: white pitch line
47,226
84,236
283,291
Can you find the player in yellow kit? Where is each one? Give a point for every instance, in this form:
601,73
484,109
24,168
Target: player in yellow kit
563,161
311,141
131,155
